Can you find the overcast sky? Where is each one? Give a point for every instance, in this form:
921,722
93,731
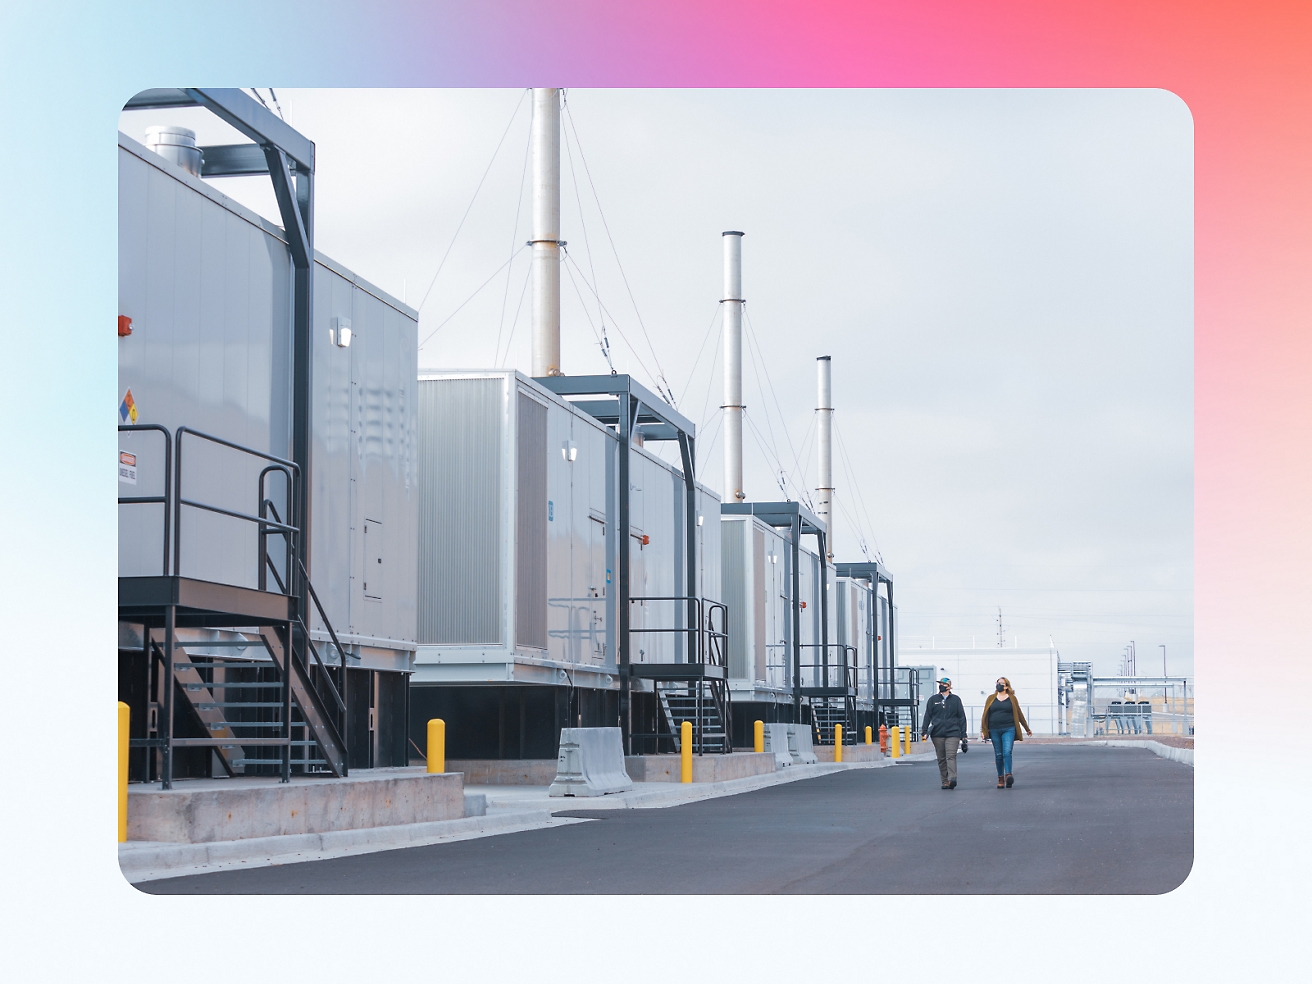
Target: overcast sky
1003,278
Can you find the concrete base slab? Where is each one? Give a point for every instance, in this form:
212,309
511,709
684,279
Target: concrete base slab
201,811
705,768
504,772
851,753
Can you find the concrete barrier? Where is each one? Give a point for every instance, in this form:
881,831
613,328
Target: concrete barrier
776,744
705,768
799,744
591,763
201,811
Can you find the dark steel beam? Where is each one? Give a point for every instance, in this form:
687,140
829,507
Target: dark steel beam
233,160
239,111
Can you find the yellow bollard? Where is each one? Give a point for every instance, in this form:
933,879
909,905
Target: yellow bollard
124,719
870,735
685,752
436,745
758,736
838,743
896,734
907,733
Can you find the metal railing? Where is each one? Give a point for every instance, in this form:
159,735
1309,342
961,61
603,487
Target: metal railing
289,530
836,666
165,499
268,522
708,642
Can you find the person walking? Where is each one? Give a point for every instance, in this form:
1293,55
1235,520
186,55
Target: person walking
945,724
1001,724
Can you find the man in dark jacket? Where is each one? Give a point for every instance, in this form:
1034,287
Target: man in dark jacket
945,723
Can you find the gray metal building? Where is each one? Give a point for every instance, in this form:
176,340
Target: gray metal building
519,556
213,305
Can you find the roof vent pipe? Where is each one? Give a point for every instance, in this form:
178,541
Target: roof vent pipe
824,427
546,232
177,144
733,367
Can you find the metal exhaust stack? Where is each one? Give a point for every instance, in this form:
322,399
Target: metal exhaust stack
733,367
546,232
177,144
824,497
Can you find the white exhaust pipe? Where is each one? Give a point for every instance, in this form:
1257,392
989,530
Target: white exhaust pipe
546,232
824,426
733,367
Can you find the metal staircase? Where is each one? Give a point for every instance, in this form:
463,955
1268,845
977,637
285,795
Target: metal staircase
695,689
705,704
829,711
280,709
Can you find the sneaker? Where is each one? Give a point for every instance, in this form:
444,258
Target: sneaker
952,784
1010,779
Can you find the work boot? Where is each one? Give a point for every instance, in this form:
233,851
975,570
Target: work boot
1001,782
952,784
1010,779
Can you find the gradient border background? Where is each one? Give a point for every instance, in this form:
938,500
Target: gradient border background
1245,71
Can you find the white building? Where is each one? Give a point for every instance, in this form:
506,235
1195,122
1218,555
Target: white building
1032,672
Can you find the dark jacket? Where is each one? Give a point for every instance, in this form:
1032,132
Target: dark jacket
944,718
1016,714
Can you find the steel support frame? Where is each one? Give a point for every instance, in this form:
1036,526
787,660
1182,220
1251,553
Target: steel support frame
632,409
799,521
876,574
288,159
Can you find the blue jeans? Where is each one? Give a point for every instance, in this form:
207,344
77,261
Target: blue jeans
1002,742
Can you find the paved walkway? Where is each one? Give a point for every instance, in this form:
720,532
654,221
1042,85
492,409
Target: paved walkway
1080,820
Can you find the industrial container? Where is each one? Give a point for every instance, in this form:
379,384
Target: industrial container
517,541
207,284
517,554
205,342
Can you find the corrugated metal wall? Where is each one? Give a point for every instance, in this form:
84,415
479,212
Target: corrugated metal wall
531,524
460,454
733,545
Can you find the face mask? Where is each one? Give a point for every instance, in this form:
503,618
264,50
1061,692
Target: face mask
942,688
1001,688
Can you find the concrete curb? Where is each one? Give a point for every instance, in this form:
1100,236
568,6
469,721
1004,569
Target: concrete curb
678,793
142,861
1185,756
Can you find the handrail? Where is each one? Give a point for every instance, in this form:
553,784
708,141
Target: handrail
332,634
288,530
136,500
851,669
704,631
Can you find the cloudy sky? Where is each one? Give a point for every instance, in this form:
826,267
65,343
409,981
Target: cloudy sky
1003,279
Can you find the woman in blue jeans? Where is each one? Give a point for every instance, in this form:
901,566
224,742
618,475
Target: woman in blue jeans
1001,724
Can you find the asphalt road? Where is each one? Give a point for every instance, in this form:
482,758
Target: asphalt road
1078,821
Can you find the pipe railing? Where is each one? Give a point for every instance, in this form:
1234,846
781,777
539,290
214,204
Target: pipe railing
165,499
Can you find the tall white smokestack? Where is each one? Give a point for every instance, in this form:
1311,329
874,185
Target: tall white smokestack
546,232
824,427
733,367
